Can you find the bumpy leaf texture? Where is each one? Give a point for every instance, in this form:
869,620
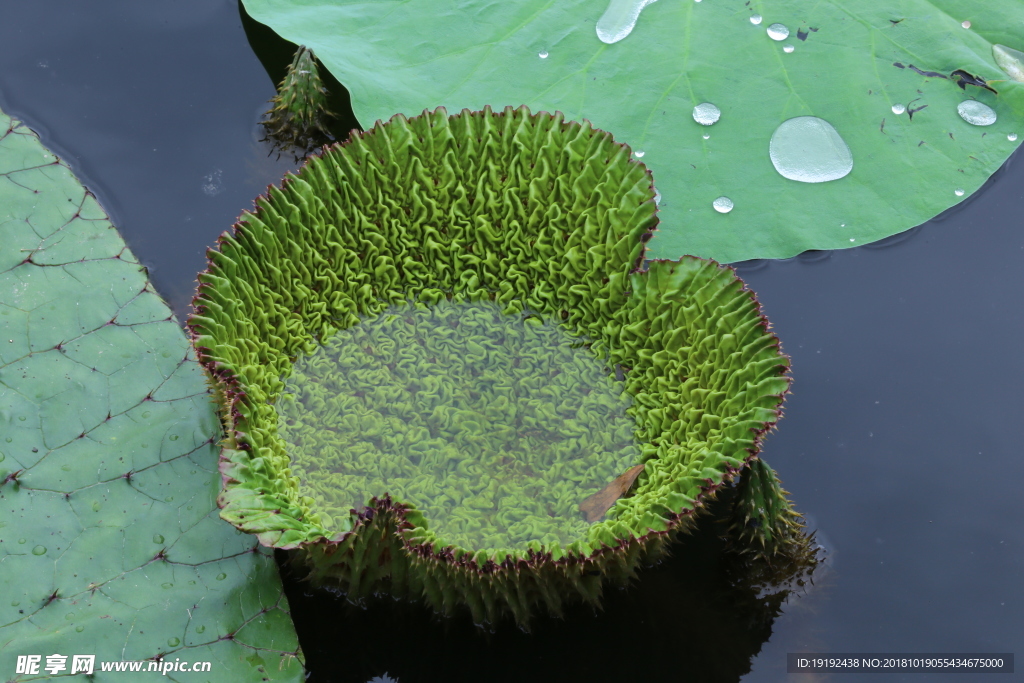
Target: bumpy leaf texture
838,63
110,539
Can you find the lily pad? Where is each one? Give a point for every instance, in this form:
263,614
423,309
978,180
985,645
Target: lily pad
848,63
110,539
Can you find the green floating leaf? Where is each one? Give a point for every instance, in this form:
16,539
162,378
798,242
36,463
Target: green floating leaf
110,540
836,61
529,212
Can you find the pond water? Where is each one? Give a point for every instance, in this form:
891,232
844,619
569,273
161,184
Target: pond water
900,441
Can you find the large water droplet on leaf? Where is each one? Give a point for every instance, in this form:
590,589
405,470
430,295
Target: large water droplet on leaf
39,550
810,150
958,192
618,20
976,113
1012,137
706,114
722,205
899,109
1010,61
788,48
755,19
778,32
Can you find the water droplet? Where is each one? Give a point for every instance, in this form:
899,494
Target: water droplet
96,505
15,603
639,153
221,576
722,205
755,19
39,550
852,240
21,418
79,629
706,114
69,616
976,113
542,55
810,150
958,192
899,109
173,437
1010,61
778,32
168,499
8,439
966,24
157,538
2,457
146,414
1012,137
707,136
200,629
173,642
167,585
22,541
618,20
657,197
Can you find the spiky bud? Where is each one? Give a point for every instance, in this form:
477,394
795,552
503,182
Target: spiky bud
299,115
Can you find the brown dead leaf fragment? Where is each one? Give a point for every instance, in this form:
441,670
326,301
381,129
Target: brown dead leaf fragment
594,507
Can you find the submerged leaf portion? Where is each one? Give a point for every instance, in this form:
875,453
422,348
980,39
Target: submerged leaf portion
834,60
532,213
110,542
494,426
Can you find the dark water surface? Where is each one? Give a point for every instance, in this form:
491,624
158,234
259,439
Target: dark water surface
901,440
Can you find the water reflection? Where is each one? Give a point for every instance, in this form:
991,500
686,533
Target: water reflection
690,617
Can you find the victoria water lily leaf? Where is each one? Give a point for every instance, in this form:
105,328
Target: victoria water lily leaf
593,507
837,64
110,540
535,215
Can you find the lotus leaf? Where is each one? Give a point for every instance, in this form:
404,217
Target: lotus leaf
110,542
852,63
531,213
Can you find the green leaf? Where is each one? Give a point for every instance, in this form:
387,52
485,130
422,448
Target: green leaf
416,54
110,538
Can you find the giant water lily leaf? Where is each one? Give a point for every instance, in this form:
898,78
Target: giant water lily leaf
415,54
110,539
